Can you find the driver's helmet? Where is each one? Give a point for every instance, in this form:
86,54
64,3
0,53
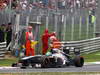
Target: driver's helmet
55,50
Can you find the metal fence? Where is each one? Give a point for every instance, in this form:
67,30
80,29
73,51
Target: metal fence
72,26
71,23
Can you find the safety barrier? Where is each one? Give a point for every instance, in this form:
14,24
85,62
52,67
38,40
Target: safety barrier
85,46
2,50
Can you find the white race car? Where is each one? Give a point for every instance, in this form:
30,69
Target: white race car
53,59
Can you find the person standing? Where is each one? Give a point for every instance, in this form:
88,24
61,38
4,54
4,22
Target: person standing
2,33
8,34
55,43
45,38
29,39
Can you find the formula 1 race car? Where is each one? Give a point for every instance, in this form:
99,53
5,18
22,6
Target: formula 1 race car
53,59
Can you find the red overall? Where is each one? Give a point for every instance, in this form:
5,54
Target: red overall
45,38
29,50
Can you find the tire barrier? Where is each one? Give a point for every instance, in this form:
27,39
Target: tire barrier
2,49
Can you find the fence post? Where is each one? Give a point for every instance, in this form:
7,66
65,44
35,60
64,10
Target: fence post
94,30
64,31
17,22
87,32
27,20
10,4
56,21
47,20
80,27
72,32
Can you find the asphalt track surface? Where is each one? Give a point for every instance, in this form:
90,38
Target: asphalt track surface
86,68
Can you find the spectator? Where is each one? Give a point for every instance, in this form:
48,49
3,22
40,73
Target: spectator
93,19
2,33
45,2
9,34
3,4
78,3
14,4
90,18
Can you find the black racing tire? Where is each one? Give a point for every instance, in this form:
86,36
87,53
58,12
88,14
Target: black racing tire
14,65
25,64
45,63
23,67
59,63
67,64
79,61
33,65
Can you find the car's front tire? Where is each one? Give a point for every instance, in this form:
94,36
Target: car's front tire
79,61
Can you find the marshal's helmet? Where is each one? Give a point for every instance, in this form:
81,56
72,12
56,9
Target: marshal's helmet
46,31
29,27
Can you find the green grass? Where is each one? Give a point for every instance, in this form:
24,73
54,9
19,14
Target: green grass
92,57
8,62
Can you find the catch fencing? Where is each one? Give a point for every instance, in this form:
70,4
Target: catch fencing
72,25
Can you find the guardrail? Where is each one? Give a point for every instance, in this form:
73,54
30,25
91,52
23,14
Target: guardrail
2,50
85,46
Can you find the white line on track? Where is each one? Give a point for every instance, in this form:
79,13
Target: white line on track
8,67
87,63
92,63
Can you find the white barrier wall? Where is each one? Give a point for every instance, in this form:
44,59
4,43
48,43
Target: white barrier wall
85,46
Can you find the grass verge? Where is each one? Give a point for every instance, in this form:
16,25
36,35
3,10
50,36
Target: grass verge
92,57
7,62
